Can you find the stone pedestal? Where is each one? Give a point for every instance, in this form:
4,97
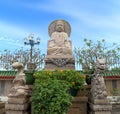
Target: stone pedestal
18,106
61,62
100,106
79,106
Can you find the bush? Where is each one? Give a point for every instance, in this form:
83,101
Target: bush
74,78
51,90
51,97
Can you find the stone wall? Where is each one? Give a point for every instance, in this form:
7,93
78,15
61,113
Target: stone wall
5,86
110,87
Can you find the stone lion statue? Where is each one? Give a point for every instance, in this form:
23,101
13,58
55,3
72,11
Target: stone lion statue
98,88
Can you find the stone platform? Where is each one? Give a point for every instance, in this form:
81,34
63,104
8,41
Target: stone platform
17,106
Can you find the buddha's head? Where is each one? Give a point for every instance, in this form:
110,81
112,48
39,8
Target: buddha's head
59,26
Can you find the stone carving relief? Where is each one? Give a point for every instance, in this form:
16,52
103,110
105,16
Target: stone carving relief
59,44
19,89
98,88
60,61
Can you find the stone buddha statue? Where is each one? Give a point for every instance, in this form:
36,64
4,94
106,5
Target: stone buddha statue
59,51
59,44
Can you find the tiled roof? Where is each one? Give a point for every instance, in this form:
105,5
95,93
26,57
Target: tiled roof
11,74
108,73
111,74
7,75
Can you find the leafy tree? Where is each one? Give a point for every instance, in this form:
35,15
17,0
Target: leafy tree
8,57
87,55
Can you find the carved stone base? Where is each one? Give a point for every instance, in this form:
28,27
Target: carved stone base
17,112
17,100
62,62
17,106
100,106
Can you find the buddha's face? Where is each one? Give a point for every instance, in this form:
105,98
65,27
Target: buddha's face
60,26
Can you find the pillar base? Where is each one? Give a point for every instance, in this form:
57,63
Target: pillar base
100,106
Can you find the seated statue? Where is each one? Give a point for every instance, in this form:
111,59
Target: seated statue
59,44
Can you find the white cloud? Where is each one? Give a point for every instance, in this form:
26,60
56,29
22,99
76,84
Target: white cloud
9,40
11,36
9,43
11,29
82,14
74,10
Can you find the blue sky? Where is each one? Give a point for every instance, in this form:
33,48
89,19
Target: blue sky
91,19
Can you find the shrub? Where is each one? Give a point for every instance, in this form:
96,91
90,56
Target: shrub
51,97
74,78
51,90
